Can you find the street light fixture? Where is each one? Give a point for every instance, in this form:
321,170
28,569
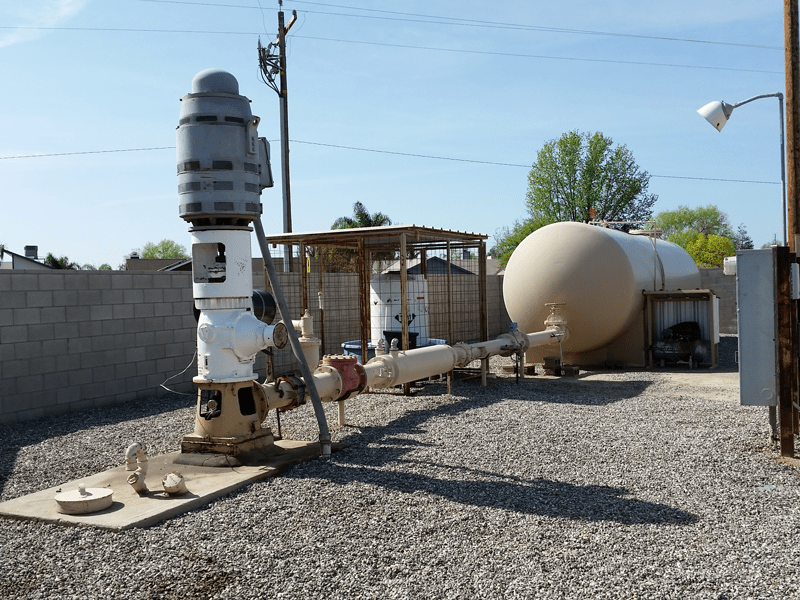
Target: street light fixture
717,113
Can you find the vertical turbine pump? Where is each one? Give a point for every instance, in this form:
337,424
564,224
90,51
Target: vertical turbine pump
222,167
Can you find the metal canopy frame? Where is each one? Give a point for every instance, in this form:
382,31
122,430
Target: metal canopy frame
404,239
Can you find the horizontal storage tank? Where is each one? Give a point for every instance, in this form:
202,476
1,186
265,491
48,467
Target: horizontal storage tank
598,273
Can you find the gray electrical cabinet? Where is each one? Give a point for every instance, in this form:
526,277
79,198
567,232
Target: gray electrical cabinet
756,296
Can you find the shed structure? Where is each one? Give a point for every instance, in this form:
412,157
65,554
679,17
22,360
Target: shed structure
450,264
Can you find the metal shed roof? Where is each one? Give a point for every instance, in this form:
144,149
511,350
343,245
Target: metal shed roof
378,237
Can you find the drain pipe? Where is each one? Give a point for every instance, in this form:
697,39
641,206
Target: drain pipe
324,434
136,457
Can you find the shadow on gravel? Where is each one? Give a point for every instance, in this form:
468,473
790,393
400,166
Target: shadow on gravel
27,433
576,391
535,497
381,446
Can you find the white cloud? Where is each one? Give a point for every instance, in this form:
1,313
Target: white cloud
35,13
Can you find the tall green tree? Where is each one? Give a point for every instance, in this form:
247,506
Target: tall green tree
507,239
163,249
684,225
346,261
581,171
574,174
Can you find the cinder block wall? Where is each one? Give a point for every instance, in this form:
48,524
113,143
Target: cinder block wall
75,339
71,340
723,286
498,316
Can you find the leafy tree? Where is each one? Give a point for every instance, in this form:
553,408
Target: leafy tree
573,175
105,267
60,263
742,240
709,251
346,261
581,171
361,218
704,232
163,249
684,225
509,239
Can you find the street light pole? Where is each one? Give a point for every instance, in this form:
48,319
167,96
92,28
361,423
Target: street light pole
717,113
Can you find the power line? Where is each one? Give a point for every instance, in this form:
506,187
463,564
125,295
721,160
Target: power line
409,154
86,152
539,56
482,162
429,48
714,179
444,20
128,30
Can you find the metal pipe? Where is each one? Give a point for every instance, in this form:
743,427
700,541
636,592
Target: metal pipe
324,434
396,367
136,458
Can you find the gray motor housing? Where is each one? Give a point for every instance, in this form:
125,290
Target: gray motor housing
222,163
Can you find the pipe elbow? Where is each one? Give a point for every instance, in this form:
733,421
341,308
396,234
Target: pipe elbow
134,454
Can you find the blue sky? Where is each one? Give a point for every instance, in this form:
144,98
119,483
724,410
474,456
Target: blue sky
91,76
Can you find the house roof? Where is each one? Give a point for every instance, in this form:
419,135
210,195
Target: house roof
433,266
18,261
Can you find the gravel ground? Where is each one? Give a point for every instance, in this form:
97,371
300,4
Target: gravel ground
611,485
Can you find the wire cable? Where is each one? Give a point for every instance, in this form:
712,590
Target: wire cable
191,362
383,44
374,150
483,24
86,152
539,56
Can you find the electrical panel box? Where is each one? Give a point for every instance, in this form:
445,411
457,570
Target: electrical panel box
756,296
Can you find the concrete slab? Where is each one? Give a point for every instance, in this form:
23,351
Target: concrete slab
128,510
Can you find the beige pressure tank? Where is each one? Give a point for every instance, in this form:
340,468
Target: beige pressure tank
598,273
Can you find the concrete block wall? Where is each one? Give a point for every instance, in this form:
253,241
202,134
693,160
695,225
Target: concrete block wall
71,340
724,286
498,315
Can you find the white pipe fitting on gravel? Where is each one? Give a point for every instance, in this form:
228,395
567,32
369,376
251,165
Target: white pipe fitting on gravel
136,458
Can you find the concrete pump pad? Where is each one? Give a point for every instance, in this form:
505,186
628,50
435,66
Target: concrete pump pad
204,483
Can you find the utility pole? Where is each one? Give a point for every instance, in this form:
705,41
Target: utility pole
787,314
792,68
270,65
